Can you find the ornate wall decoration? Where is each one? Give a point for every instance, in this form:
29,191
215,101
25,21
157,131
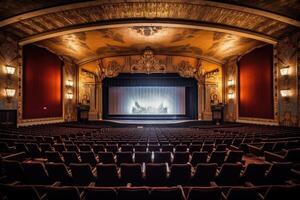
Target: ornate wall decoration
112,69
185,69
148,63
147,30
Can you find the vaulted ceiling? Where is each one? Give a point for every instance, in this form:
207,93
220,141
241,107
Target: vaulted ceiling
86,30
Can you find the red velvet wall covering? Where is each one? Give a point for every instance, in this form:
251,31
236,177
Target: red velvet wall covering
42,83
256,84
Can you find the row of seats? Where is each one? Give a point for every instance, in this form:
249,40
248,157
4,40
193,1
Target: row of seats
152,174
13,192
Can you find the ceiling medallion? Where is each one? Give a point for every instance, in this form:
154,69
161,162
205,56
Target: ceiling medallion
147,30
148,63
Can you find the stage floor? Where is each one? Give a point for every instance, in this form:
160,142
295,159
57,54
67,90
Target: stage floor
149,121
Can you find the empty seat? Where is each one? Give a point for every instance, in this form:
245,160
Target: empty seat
205,174
70,157
131,173
98,147
13,170
181,148
104,193
63,193
279,192
195,148
208,147
82,173
167,148
36,173
107,175
234,156
180,174
156,174
279,173
167,193
54,156
209,193
155,148
127,148
199,157
59,172
20,146
59,147
133,193
255,173
221,147
106,157
217,157
88,157
45,147
142,157
72,147
242,193
229,174
140,148
162,157
111,148
290,155
85,147
124,157
181,157
34,150
14,192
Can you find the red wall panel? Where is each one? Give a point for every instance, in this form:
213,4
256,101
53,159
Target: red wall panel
256,84
42,83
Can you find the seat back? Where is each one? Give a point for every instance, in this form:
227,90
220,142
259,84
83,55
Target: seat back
131,173
180,174
199,157
244,193
35,173
279,173
107,175
133,193
204,174
162,157
255,172
124,157
34,150
234,156
106,157
54,156
229,174
14,192
82,173
181,157
167,193
72,147
98,147
88,157
217,157
59,172
105,193
63,193
156,174
13,169
142,157
209,193
70,157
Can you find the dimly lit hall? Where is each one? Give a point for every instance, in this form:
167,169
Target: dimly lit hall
149,100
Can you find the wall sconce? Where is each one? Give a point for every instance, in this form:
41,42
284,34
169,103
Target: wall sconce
10,70
230,95
69,95
70,83
9,93
284,71
285,93
230,82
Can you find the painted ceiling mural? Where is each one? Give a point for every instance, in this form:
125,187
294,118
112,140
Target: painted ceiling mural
163,40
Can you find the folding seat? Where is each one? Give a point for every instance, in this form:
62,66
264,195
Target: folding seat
290,155
70,157
103,193
59,147
106,157
14,192
279,173
45,147
180,174
217,157
131,173
4,148
72,147
195,148
279,146
13,170
88,157
167,193
234,156
207,193
156,174
82,173
255,173
49,139
133,193
181,157
36,173
140,148
85,147
280,192
54,156
199,157
221,147
59,172
124,157
21,147
162,157
142,157
107,175
259,149
98,147
63,193
126,148
112,148
205,174
169,148
34,150
244,193
229,174
208,147
154,148
181,148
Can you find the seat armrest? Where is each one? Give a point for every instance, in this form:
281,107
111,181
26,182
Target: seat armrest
57,183
213,184
92,184
269,156
44,197
249,184
254,149
223,196
232,147
260,196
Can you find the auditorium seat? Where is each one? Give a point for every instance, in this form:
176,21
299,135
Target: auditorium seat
208,147
13,170
280,192
105,193
143,157
217,157
205,193
54,156
241,193
34,150
133,193
106,157
205,174
88,157
124,157
63,193
279,173
259,149
180,174
195,148
156,174
82,173
221,147
229,174
290,155
58,172
112,148
85,147
255,173
199,157
127,148
70,157
234,156
169,148
72,147
156,148
107,175
140,148
97,148
162,157
181,157
20,146
36,173
181,148
45,147
131,173
14,192
60,147
167,193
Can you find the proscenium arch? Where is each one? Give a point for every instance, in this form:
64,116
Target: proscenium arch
165,23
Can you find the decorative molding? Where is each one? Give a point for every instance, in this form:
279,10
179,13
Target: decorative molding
147,30
112,69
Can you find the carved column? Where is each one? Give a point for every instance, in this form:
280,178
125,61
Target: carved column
100,101
200,100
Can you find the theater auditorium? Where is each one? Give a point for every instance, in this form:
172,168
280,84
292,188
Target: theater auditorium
149,100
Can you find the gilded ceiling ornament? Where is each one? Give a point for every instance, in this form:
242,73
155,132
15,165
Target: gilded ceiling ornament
112,69
148,63
147,30
185,69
